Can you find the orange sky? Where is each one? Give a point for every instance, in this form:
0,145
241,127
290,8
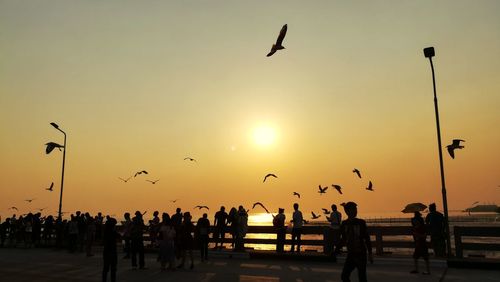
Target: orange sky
141,85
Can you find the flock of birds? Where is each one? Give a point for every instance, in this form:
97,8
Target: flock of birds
456,144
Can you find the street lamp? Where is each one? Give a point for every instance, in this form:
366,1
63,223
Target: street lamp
429,53
62,174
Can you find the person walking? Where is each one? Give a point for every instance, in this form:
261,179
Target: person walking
298,222
420,239
279,224
354,235
110,254
435,220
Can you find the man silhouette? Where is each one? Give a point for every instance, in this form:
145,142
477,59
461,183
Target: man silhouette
355,236
220,223
298,222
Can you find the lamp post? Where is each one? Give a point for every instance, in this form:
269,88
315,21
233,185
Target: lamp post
429,53
62,174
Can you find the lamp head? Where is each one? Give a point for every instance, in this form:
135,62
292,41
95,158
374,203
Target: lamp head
54,125
429,52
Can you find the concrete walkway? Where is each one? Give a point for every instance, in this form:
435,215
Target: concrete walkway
47,265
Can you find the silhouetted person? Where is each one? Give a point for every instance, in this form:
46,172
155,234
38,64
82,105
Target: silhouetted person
82,228
166,239
37,229
90,234
48,229
242,220
186,243
220,223
354,235
137,240
202,230
98,226
298,222
127,227
232,219
176,223
73,234
335,220
110,254
420,239
435,220
154,226
4,230
279,224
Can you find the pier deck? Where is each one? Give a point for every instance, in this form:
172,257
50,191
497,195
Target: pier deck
48,265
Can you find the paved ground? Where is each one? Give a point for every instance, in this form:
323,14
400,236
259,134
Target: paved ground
47,265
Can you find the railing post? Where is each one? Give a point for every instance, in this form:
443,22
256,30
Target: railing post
458,242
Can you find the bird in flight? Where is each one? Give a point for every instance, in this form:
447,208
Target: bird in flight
453,146
370,186
13,208
51,146
126,180
260,204
30,200
357,172
475,203
42,209
153,182
322,190
51,187
279,42
337,187
269,175
296,194
314,216
325,211
173,201
201,207
189,159
140,172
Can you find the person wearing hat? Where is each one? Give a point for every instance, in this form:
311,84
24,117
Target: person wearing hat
279,224
354,235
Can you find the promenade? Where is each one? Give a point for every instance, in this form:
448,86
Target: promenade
49,265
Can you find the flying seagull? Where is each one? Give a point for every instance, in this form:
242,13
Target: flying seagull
296,194
13,208
153,181
269,175
370,186
201,207
314,216
279,41
337,187
322,190
30,200
125,180
51,187
260,204
357,172
189,159
325,211
453,146
140,172
173,201
51,146
42,209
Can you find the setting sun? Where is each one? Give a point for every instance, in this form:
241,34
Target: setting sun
264,135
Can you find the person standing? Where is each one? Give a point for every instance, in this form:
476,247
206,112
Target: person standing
127,226
186,245
166,238
242,220
298,222
233,220
137,240
435,220
335,220
91,229
354,235
220,223
279,224
110,254
202,229
420,239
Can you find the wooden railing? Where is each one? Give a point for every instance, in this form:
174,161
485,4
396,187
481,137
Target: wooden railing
462,231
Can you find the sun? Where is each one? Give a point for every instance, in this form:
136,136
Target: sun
264,135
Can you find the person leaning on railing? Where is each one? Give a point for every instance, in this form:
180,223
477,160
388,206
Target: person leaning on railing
279,224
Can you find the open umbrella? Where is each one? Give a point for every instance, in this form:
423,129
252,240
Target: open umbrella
414,207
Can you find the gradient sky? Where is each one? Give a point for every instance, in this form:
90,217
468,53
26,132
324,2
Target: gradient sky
143,84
